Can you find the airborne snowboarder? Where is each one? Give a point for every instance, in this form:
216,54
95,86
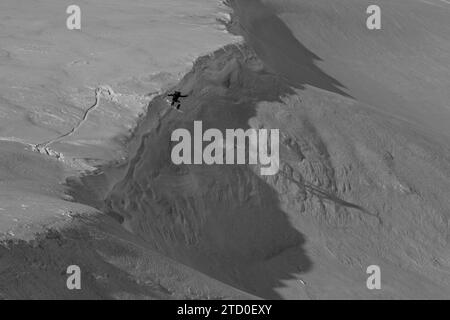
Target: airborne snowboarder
175,99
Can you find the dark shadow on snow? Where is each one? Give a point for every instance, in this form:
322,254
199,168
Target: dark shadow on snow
280,50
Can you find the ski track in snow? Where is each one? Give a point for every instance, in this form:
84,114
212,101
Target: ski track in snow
79,124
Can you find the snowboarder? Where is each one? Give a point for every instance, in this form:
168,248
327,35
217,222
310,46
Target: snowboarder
175,99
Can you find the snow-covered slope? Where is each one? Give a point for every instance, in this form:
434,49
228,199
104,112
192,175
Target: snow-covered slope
74,96
123,55
365,173
364,176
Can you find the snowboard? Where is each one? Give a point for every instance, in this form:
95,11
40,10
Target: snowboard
169,103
